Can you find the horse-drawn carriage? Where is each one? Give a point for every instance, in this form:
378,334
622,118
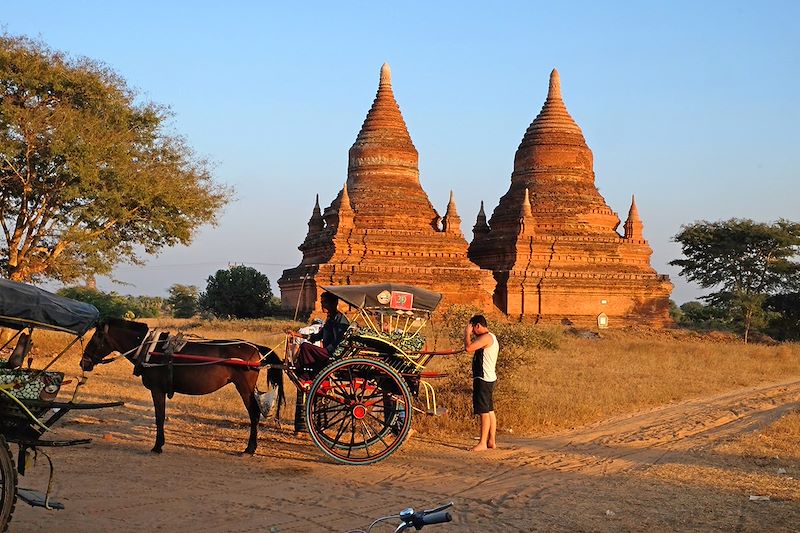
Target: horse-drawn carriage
359,407
28,396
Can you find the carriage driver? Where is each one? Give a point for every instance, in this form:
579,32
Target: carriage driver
331,334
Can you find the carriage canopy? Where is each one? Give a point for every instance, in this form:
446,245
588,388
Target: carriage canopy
23,305
387,295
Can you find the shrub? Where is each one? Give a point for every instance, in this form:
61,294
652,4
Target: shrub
239,292
113,305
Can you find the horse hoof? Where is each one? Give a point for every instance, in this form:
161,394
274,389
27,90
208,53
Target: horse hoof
155,450
248,451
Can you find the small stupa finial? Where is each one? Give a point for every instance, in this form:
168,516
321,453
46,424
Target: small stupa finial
481,227
451,222
386,74
315,224
633,225
526,205
554,92
526,222
345,203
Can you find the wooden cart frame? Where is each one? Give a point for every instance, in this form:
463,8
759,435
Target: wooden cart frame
359,408
28,405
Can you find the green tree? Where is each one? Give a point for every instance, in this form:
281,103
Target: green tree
146,306
89,176
184,300
784,320
745,261
696,315
110,304
675,312
239,292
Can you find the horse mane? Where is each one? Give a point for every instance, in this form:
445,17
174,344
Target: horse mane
138,327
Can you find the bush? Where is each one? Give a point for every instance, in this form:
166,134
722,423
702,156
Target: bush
239,292
784,316
183,299
518,340
113,305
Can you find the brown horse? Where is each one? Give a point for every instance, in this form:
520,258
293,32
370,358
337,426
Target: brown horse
198,367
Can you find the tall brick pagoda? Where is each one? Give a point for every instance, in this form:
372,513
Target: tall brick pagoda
552,241
381,227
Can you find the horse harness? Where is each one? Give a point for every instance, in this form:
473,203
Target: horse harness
167,347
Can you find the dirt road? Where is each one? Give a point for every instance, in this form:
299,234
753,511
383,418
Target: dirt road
655,470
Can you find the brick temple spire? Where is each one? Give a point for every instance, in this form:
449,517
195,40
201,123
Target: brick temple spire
383,158
382,227
633,225
552,242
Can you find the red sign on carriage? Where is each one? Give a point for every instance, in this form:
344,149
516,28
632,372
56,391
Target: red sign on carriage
402,300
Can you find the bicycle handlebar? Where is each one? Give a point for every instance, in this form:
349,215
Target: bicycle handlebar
416,519
436,518
420,519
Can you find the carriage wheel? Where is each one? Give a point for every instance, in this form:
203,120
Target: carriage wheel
8,485
359,410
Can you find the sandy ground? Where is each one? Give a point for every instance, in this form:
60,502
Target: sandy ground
658,470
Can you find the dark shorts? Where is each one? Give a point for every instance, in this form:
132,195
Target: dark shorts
482,396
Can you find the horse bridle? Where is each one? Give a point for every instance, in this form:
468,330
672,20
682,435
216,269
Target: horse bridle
105,360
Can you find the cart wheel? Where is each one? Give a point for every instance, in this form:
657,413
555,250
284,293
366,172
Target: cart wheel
8,485
359,410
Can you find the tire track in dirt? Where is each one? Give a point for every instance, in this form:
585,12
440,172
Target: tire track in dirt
637,441
561,482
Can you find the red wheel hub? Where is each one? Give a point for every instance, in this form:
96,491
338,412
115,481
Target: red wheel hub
359,411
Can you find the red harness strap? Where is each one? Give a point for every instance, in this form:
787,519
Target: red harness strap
177,357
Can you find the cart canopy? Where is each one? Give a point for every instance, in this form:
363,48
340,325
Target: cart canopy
23,305
387,295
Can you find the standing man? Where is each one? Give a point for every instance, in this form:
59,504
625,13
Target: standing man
478,339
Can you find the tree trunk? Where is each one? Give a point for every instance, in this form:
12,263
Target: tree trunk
747,318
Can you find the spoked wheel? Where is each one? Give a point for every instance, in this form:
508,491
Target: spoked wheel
8,485
359,410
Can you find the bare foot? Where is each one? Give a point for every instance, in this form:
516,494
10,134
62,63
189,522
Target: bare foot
491,445
479,448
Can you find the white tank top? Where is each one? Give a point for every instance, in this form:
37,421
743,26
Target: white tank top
485,360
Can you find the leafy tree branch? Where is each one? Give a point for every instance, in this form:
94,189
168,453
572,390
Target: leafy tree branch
89,174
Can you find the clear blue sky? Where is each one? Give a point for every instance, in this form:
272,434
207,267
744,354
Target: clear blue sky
691,106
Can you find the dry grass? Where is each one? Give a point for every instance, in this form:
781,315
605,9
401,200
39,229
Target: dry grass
623,371
778,441
545,390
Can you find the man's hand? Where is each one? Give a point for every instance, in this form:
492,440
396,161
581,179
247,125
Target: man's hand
467,335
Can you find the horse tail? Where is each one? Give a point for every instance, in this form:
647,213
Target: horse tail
274,363
275,379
